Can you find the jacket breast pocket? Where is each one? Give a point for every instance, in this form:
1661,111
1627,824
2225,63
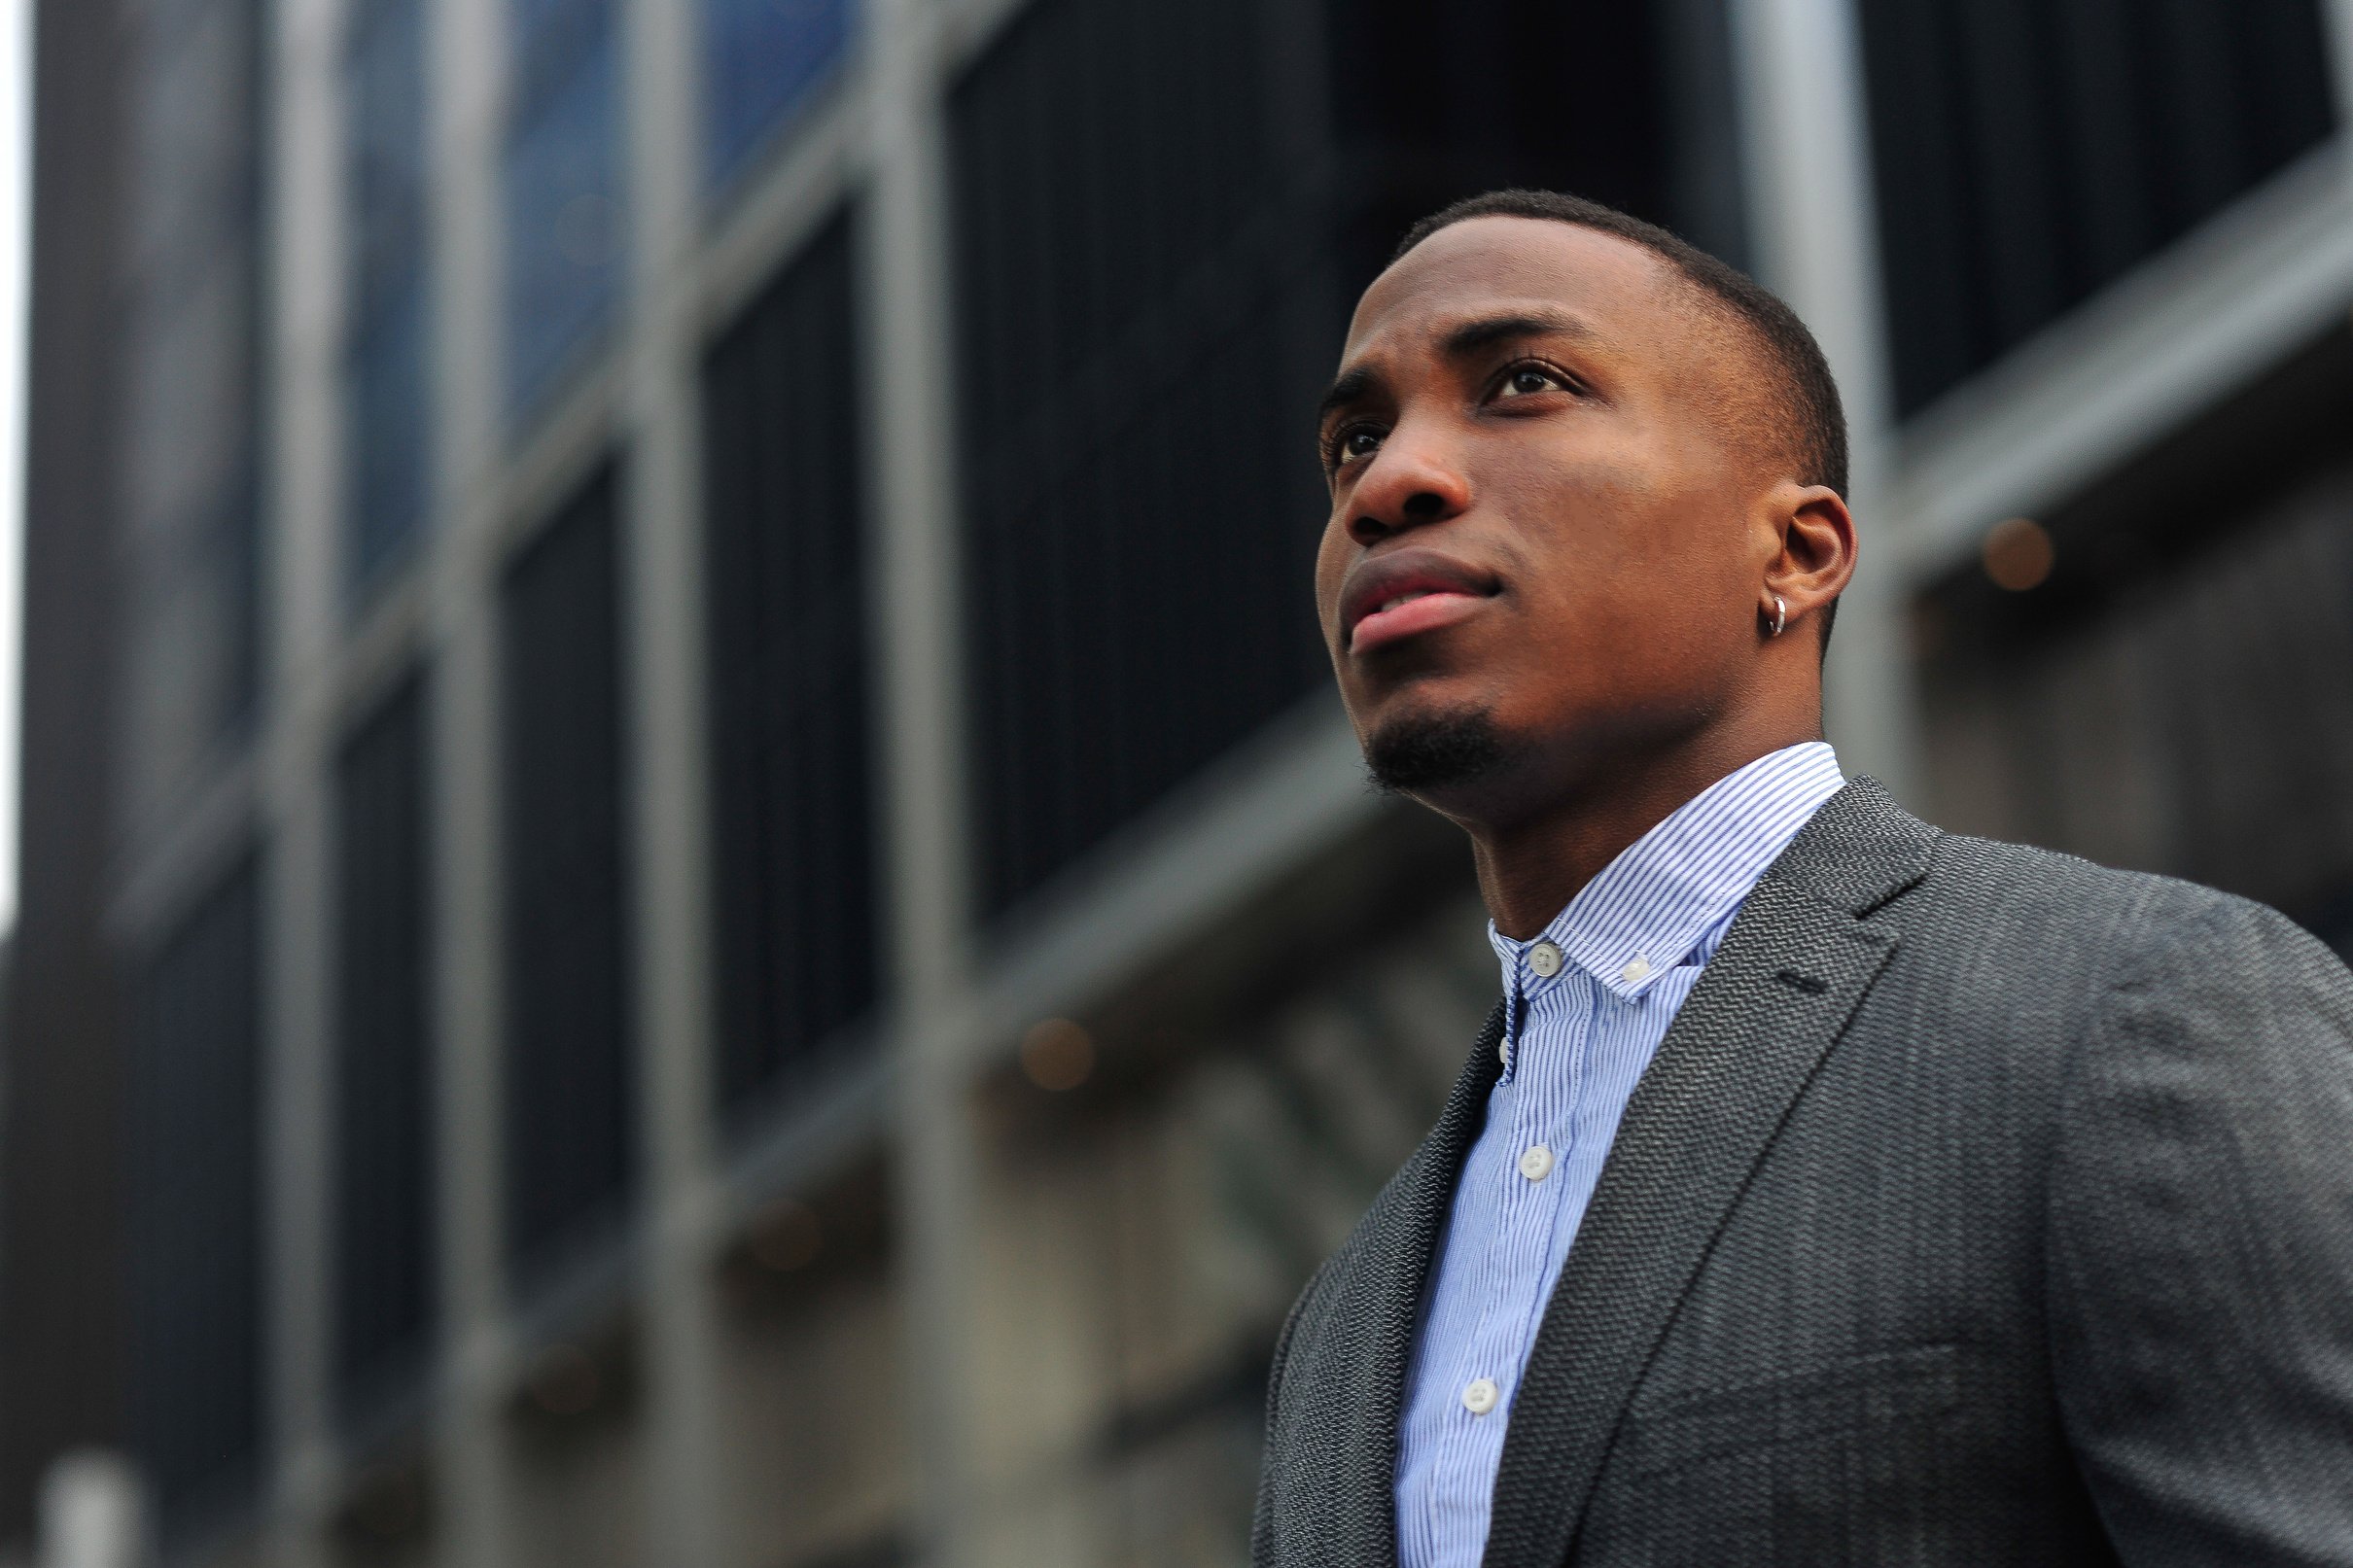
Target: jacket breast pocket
1839,1463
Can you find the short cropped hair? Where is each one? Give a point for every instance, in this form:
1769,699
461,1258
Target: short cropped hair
1814,421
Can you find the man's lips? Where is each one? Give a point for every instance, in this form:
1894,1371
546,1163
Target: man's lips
1392,597
1410,617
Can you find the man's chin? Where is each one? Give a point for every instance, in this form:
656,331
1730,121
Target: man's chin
1434,754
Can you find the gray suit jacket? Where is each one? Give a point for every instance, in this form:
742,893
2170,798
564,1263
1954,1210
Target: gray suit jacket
1982,1206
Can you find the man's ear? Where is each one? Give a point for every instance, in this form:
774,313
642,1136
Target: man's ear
1815,558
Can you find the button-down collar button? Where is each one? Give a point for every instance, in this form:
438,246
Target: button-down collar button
1480,1395
1545,958
1503,1052
1636,968
1536,1162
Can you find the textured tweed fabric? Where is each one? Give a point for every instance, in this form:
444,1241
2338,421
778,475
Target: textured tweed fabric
1983,1206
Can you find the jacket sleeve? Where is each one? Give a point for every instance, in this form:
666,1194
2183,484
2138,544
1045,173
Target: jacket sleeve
2201,1246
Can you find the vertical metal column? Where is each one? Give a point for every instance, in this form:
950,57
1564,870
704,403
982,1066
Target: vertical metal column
466,44
300,508
1806,149
906,327
663,602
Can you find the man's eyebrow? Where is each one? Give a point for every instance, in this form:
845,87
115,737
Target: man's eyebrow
1470,336
1350,387
1461,341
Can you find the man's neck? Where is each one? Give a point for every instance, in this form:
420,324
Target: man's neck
1530,869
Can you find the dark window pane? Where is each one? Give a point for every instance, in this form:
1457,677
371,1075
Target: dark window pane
2028,152
197,1240
384,1196
763,59
1140,494
192,385
389,320
568,1080
564,227
792,850
1439,99
1154,256
390,432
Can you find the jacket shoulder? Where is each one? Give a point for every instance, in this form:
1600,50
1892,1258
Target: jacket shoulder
2128,919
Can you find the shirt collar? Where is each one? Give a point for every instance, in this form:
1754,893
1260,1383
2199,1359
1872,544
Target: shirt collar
1653,903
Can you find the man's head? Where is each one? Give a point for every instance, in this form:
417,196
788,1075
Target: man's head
1574,465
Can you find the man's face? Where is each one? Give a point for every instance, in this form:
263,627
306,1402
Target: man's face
1541,530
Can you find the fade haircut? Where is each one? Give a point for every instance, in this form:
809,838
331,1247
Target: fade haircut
1808,422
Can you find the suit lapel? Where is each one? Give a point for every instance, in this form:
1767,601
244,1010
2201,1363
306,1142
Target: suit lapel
1382,1274
1779,992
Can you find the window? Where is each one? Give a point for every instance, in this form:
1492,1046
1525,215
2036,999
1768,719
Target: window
1129,276
564,227
568,1091
196,1238
2029,151
193,394
1155,250
793,850
385,1272
388,322
762,61
1434,100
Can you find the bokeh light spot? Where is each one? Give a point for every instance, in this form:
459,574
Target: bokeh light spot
566,1382
2018,554
1057,1055
786,1236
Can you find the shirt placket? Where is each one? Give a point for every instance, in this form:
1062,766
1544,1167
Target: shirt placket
1545,1093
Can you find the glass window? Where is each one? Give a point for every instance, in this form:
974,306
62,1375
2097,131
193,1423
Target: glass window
2027,153
1154,257
762,60
384,1259
565,224
388,356
193,367
196,1244
793,850
569,1089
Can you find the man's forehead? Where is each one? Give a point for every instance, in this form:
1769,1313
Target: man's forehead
1495,266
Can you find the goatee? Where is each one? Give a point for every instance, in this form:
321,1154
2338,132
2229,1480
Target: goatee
1424,751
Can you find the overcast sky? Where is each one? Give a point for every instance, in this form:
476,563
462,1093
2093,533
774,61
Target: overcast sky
16,135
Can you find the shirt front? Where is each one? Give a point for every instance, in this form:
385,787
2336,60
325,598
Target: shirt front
1587,1004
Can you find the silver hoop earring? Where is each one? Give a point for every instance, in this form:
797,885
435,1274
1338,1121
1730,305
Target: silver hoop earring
1781,613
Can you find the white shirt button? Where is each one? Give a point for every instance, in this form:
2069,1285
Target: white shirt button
1545,958
1536,1162
1636,968
1480,1394
1503,1052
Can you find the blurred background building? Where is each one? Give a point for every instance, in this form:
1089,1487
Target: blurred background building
690,894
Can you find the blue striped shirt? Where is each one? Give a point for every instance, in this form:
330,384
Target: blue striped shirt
1587,1002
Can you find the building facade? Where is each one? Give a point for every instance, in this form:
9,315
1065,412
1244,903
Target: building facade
692,894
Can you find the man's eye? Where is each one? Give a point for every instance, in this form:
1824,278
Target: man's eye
1529,379
1357,441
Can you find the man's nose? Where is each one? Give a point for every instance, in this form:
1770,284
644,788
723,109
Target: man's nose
1411,483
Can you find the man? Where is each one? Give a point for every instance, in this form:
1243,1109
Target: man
1826,1189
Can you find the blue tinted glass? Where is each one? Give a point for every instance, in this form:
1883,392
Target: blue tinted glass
390,432
388,419
548,32
564,218
763,59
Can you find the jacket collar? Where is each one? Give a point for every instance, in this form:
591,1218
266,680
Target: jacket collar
1778,994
